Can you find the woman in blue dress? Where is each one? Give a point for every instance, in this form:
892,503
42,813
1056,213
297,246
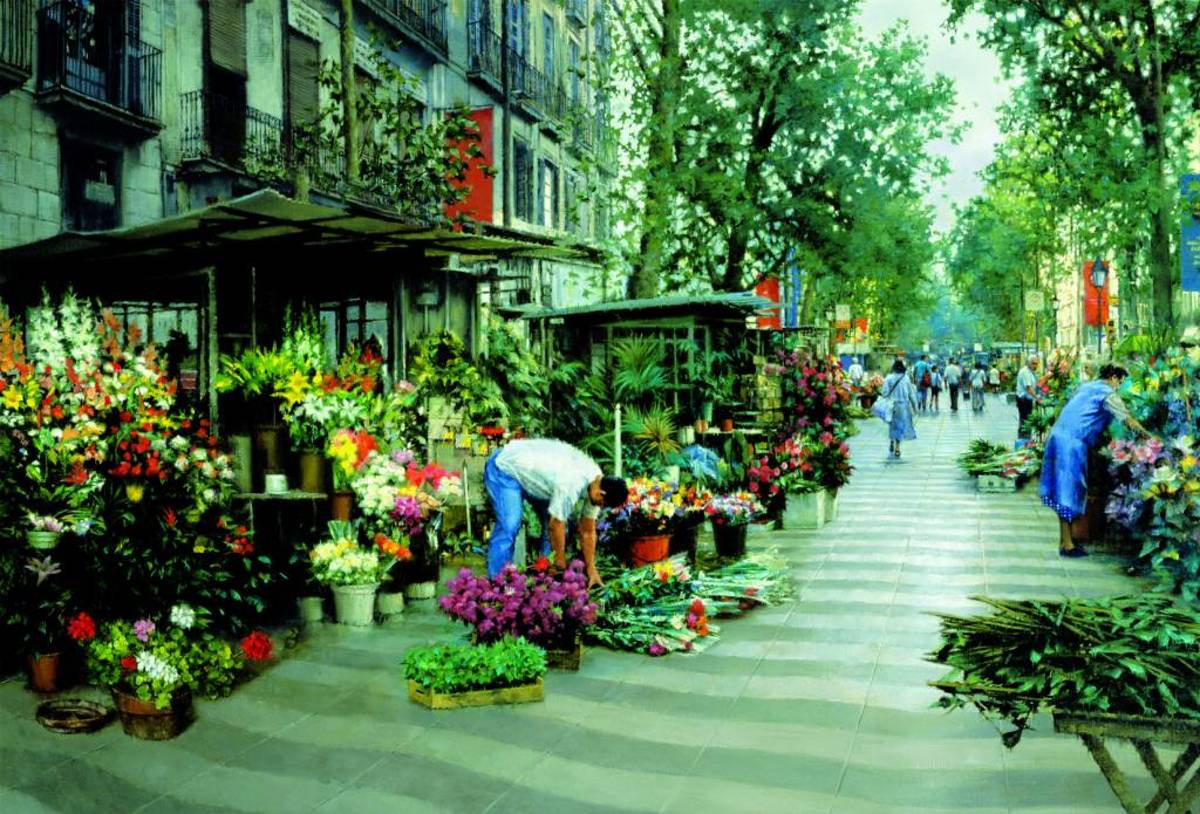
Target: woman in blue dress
903,394
1064,469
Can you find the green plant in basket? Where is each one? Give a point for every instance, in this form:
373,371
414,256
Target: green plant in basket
461,668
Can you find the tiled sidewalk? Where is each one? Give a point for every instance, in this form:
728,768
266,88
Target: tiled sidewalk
819,706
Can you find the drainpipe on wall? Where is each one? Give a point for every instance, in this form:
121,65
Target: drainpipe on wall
506,159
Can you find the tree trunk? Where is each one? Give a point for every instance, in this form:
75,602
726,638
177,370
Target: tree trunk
659,193
1162,272
349,109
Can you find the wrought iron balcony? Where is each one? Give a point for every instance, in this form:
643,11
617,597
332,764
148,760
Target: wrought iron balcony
226,131
483,51
16,43
89,64
424,18
577,12
583,127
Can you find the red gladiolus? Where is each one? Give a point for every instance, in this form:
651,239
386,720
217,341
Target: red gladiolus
125,416
170,517
82,628
129,664
257,646
542,564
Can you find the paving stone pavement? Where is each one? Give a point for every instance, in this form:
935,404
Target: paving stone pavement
817,706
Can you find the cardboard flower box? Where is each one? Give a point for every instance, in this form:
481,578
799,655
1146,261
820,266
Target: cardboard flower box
520,694
996,483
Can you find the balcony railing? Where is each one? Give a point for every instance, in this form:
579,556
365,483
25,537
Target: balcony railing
426,18
583,127
217,128
483,46
16,41
79,50
577,12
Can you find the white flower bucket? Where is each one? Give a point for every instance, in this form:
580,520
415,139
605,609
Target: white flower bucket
312,609
831,505
389,603
355,604
420,590
805,511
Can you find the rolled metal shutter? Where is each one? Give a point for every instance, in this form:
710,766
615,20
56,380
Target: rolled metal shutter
304,64
227,34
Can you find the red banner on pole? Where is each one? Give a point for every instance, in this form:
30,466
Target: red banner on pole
1095,300
768,288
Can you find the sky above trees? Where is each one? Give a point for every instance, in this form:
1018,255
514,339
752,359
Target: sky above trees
980,87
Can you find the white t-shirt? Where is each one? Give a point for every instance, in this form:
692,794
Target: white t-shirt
953,375
855,372
553,471
1026,379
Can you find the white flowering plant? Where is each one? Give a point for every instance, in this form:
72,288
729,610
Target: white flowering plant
342,561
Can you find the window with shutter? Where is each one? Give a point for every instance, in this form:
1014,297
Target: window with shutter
227,34
304,64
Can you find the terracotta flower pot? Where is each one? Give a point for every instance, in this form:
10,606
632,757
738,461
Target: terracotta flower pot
701,426
43,673
141,719
341,505
726,425
647,550
312,472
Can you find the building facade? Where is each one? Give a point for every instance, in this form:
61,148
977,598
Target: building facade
115,113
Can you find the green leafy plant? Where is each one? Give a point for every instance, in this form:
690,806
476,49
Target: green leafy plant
654,430
441,367
638,370
461,668
1126,655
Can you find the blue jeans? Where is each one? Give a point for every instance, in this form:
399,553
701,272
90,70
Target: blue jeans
508,504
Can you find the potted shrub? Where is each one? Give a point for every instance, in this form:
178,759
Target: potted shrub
509,671
154,668
550,611
352,572
805,506
731,515
36,609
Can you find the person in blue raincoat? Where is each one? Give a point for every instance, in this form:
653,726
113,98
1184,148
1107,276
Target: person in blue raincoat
903,394
1083,420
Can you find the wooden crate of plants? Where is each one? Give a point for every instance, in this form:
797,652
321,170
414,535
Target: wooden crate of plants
990,484
521,694
566,658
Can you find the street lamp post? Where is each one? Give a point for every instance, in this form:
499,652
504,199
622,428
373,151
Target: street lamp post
1099,277
1054,304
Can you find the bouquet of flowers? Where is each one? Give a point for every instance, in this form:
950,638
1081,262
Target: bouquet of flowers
737,509
762,479
547,610
795,458
399,495
831,461
342,561
349,449
655,507
872,385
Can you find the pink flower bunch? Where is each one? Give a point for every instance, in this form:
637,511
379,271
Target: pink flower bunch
542,608
761,479
407,514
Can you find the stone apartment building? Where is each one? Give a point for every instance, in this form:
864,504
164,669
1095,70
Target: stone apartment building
115,113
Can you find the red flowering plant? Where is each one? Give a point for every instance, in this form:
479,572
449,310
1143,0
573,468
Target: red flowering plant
816,395
100,440
548,610
830,459
155,659
795,457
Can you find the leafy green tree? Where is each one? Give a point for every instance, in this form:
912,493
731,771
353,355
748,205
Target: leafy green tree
1134,61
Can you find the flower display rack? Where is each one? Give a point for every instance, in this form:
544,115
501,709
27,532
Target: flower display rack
520,694
991,484
1143,733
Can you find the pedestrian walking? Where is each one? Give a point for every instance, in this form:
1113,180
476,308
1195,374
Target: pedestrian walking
978,377
559,481
994,379
1064,468
900,390
1027,395
954,376
923,379
936,382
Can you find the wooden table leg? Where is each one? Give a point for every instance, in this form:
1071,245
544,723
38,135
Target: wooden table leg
1113,774
1167,782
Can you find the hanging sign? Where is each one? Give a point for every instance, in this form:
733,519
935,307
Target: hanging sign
1189,241
841,313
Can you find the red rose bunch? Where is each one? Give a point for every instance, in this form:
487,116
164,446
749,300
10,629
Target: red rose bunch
82,628
257,646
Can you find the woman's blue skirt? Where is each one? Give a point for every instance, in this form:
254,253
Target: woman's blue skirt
1064,475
